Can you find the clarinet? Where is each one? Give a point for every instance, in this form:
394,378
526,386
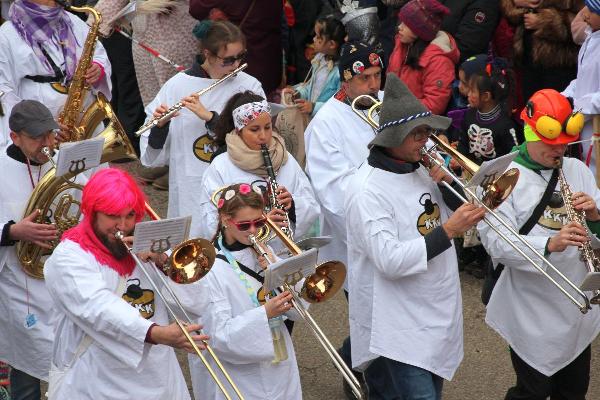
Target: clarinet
273,189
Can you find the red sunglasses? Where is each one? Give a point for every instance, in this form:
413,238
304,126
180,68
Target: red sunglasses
247,225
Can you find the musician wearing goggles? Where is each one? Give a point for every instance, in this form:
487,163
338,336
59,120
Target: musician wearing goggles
549,339
113,338
405,301
186,140
253,152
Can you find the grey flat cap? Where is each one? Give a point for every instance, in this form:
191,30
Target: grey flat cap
32,117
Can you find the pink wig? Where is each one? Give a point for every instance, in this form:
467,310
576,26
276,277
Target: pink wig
112,191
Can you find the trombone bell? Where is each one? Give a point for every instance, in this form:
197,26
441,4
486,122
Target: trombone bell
190,261
324,283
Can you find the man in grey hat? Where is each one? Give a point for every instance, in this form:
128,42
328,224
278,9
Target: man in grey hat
25,333
405,301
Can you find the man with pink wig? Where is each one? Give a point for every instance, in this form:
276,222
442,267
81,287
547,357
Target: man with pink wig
109,323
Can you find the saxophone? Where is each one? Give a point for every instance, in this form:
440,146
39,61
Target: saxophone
587,254
72,110
273,189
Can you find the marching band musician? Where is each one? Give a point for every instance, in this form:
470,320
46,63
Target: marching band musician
237,318
25,329
405,301
336,145
336,142
40,46
549,340
109,325
186,143
243,127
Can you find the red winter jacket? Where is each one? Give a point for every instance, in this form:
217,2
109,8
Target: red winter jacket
432,83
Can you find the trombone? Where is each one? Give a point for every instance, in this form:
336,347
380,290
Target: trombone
190,261
495,192
318,287
179,105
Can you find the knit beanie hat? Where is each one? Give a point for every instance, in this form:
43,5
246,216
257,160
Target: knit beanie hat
355,57
593,5
473,65
424,17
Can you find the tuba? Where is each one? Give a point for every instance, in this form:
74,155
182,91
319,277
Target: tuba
53,197
70,115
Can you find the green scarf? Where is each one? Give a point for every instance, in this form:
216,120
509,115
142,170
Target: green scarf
524,158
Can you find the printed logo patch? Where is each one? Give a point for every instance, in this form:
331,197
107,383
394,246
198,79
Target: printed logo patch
430,218
204,147
479,17
141,299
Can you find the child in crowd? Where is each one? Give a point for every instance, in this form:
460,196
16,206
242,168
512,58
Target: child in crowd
425,57
585,89
487,132
323,79
460,91
321,83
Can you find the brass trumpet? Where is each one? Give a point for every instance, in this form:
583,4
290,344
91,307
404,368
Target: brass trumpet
319,287
189,262
495,192
179,105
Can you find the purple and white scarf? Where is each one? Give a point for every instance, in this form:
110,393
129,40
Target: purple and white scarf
37,24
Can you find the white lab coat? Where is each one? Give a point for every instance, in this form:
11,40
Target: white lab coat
540,324
187,132
222,172
25,349
17,60
402,306
118,364
241,338
336,145
585,89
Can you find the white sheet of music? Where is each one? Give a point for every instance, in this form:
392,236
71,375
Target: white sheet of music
290,270
76,157
492,169
160,236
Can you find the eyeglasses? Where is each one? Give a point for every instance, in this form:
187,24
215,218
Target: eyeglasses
247,225
423,133
228,61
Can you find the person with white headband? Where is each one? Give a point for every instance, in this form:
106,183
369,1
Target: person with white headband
243,127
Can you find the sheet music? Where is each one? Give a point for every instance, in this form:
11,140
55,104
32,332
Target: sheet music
160,236
76,157
492,169
290,270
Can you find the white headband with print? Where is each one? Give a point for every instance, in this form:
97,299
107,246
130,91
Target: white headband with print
245,113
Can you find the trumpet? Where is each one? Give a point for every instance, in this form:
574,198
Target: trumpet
273,188
190,261
179,105
319,287
495,192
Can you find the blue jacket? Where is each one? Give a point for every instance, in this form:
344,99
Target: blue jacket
332,85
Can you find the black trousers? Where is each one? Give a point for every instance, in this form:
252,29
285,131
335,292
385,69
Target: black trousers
126,100
570,383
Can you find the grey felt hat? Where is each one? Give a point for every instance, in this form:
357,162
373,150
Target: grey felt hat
401,112
32,117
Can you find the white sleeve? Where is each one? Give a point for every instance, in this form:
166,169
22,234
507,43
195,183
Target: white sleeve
80,291
570,90
329,170
8,77
306,206
211,181
371,222
151,157
240,339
